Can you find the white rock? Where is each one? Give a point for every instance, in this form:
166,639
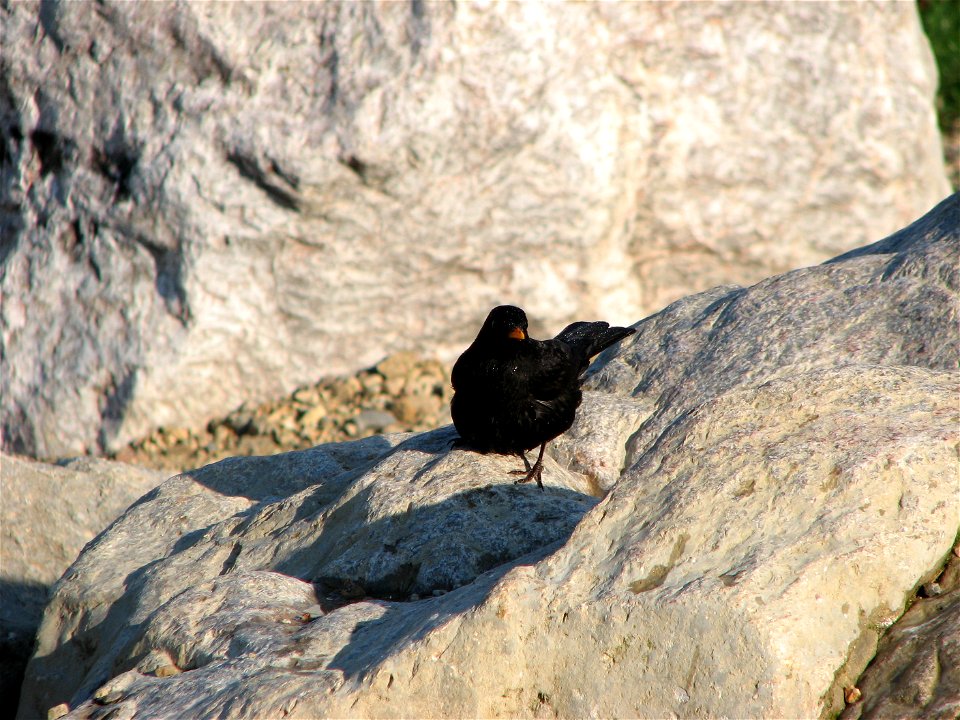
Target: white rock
596,444
891,303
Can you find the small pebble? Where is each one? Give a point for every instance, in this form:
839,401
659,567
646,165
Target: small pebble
240,420
397,365
58,711
307,396
346,389
852,695
374,420
178,435
313,612
313,416
372,383
108,697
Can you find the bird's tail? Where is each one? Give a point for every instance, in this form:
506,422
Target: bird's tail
589,338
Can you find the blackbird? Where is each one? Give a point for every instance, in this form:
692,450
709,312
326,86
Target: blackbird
513,393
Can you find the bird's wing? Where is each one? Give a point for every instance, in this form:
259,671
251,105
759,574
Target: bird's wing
587,339
553,371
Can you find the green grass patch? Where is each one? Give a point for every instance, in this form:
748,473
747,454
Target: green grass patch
941,21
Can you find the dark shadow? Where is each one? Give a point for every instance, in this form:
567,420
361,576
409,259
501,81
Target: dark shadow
263,479
431,548
277,187
21,608
404,623
114,403
436,547
329,468
50,22
292,472
406,590
74,659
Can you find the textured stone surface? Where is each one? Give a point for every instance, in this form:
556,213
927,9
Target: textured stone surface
762,534
891,303
211,203
47,515
596,444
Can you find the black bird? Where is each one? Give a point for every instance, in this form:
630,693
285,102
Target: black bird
512,393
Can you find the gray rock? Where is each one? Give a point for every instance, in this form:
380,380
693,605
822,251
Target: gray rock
890,303
744,564
48,514
374,420
596,444
211,203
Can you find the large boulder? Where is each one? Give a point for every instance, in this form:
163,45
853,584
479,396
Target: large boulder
47,515
212,203
768,523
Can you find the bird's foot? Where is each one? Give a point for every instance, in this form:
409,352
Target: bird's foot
527,469
533,473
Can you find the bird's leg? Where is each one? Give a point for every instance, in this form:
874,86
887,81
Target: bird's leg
533,473
526,465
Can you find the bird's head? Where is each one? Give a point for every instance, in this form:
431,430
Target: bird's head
505,322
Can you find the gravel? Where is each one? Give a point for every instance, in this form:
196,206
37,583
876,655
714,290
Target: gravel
403,392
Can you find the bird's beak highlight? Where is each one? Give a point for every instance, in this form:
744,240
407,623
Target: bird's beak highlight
517,334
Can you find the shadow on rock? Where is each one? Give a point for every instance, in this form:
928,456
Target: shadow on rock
404,623
21,607
391,535
433,548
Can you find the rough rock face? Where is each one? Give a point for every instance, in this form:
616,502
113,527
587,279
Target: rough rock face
743,564
212,203
47,515
890,303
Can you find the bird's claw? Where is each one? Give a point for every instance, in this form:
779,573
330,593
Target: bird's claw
533,474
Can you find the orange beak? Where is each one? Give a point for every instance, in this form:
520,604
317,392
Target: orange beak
517,334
